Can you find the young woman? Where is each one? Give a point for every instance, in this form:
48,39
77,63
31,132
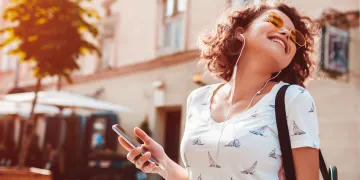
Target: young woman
231,130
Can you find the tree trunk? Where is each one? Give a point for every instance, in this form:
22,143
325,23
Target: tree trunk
58,85
29,126
16,77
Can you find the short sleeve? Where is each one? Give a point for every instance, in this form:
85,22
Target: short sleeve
188,104
302,119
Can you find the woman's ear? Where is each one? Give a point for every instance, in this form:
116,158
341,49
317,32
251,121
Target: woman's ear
239,33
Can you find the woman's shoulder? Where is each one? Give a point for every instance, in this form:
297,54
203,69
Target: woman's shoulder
202,92
295,92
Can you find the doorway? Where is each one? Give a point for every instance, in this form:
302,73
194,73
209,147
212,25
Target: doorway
172,133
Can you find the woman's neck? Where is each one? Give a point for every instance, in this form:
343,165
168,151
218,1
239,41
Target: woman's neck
249,80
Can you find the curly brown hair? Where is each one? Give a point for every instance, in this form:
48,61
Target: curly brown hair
220,49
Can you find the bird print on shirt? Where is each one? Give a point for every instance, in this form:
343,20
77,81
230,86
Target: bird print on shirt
254,115
186,161
234,143
297,130
273,154
189,116
312,109
250,170
272,103
302,90
212,162
197,141
199,178
259,131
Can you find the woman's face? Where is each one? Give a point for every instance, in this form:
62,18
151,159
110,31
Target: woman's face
274,43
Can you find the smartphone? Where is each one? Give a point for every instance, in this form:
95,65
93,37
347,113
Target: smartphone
121,132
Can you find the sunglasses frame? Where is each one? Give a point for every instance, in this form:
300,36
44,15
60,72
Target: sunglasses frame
273,14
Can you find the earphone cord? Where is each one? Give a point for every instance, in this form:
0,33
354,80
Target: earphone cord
231,99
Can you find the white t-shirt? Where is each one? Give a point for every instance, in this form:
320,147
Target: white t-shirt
249,147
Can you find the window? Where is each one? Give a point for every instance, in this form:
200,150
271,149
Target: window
178,33
169,11
335,50
242,3
167,34
8,62
172,29
181,6
107,34
107,26
237,3
107,52
174,34
174,7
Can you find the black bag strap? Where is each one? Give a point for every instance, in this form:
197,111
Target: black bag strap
284,139
323,169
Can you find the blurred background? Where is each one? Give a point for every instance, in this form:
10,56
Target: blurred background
90,64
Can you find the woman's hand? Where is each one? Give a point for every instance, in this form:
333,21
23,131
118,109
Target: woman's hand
152,149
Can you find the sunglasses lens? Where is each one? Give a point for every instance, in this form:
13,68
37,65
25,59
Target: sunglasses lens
275,19
298,37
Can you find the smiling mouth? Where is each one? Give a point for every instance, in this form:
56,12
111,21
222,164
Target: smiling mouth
279,41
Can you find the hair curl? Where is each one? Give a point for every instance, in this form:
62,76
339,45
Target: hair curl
220,49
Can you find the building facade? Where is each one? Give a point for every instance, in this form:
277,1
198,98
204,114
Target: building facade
149,64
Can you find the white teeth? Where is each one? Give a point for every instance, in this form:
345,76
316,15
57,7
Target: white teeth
279,41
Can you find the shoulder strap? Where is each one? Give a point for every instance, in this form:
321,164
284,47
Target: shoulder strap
283,133
284,139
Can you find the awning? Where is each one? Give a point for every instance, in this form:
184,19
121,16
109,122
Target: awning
65,99
24,108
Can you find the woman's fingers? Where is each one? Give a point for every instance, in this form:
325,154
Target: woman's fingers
124,144
150,167
142,160
132,155
143,136
135,155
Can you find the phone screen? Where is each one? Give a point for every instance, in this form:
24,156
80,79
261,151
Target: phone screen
121,132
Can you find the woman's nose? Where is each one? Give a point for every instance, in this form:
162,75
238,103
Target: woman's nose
284,32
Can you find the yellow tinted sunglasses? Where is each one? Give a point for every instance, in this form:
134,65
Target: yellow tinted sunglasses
296,36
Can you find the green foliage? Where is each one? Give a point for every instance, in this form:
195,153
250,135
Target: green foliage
145,127
50,34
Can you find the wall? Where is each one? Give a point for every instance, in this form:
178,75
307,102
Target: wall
136,31
338,105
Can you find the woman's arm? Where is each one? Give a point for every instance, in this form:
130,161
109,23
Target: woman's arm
173,171
170,171
304,132
306,161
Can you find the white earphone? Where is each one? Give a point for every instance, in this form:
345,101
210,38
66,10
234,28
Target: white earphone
232,94
242,48
242,36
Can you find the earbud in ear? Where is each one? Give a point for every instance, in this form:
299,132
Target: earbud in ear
242,36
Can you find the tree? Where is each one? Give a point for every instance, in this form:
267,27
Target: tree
50,35
145,127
